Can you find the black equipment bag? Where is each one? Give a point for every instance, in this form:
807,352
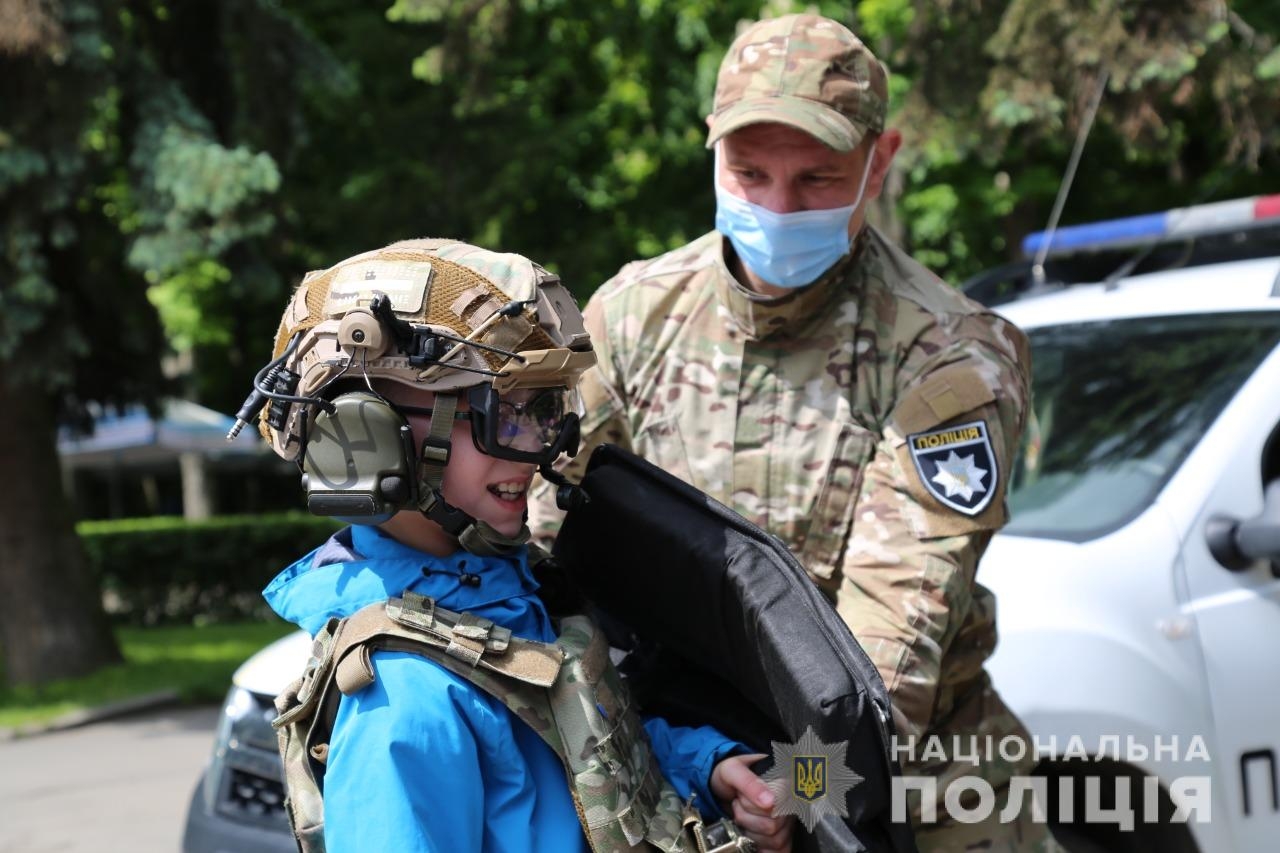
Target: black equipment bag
725,628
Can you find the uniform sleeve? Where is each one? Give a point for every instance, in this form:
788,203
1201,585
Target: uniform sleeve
604,420
932,495
687,756
383,789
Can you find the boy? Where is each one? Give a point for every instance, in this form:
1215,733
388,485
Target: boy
418,387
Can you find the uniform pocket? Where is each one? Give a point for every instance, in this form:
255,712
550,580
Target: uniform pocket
661,443
832,519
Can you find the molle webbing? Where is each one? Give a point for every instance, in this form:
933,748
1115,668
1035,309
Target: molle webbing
414,619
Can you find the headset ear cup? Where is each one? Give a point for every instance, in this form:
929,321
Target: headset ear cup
358,465
411,458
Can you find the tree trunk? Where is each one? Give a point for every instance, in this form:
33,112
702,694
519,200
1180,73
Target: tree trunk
197,494
52,624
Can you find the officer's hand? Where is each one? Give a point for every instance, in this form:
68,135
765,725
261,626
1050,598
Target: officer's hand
750,803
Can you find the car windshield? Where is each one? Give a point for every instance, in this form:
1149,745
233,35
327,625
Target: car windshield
1117,406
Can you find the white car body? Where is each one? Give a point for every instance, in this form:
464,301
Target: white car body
1141,633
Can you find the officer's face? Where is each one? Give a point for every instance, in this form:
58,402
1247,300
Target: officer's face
786,170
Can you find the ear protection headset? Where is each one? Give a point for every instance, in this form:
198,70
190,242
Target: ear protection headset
359,461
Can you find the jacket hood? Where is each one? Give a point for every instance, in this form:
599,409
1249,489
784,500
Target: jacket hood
361,565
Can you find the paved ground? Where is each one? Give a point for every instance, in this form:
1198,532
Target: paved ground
117,785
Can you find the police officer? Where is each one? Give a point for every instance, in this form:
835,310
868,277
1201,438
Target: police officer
799,367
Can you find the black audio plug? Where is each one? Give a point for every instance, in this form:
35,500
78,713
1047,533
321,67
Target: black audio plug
253,404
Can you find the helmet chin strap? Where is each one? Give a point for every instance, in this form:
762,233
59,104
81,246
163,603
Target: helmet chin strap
483,541
475,536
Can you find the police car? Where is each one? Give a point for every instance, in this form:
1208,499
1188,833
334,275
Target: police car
1138,580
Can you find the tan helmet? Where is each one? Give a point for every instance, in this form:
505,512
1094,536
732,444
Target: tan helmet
452,317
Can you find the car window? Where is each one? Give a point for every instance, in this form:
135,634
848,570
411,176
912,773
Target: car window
1117,406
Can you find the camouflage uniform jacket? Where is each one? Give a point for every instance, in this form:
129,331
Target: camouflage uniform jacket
817,416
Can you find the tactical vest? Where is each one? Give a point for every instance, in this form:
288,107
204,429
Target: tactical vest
567,691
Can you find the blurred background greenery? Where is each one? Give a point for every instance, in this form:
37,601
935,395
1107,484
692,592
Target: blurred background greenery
170,168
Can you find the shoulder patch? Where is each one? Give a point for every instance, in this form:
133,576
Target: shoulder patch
957,466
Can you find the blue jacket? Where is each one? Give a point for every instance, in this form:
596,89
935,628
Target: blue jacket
421,760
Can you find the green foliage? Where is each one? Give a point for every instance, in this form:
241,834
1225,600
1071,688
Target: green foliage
202,192
183,164
179,297
577,127
141,156
207,154
1269,66
1184,118
167,570
56,266
195,661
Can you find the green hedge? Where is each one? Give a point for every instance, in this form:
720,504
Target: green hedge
168,570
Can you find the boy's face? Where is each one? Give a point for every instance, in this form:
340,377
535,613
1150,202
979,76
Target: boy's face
488,489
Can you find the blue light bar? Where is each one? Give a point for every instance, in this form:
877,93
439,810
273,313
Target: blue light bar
1179,223
1131,229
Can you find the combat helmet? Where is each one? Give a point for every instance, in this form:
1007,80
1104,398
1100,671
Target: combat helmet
435,315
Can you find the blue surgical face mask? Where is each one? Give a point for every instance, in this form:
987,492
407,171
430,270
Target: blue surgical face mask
785,249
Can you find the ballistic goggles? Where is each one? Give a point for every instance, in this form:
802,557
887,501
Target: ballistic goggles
531,425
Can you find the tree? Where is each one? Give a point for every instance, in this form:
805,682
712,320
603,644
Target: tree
51,621
992,95
583,121
589,115
122,186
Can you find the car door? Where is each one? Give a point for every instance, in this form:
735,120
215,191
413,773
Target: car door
1236,614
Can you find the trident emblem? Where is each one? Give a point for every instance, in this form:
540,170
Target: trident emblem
811,777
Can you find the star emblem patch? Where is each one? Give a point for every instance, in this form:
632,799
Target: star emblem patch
957,466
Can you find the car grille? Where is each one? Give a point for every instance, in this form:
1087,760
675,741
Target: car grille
249,796
251,790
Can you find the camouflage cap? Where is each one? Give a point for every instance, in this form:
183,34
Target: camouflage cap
805,71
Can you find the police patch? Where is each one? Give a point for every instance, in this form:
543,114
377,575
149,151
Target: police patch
957,465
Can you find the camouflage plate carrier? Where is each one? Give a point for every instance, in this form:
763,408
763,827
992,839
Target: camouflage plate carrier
567,691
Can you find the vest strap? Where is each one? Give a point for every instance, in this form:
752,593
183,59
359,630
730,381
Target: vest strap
354,671
468,637
407,622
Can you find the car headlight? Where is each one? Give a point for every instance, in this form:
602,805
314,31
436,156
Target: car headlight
245,780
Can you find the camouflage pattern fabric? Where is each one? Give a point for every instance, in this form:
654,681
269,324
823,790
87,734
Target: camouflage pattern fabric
587,718
296,706
805,71
796,412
